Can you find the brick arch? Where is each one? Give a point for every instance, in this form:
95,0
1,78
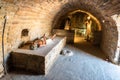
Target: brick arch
70,7
109,29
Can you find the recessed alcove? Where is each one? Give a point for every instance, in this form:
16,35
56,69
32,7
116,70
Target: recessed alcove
24,33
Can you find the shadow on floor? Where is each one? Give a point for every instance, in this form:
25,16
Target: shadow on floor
89,48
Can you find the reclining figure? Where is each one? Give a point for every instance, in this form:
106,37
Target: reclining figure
40,42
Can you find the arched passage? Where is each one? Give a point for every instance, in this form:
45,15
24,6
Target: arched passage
109,28
40,17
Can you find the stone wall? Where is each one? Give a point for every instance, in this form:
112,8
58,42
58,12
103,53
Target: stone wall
109,40
40,16
1,32
116,18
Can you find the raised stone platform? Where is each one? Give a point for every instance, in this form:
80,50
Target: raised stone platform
38,61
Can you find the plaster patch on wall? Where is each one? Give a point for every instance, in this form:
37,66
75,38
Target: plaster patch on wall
116,17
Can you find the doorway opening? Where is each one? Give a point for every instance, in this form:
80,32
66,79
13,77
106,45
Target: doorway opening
85,26
84,30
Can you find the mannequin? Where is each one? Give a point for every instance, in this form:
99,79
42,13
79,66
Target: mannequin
88,23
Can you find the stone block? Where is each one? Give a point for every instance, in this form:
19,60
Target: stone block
67,33
37,61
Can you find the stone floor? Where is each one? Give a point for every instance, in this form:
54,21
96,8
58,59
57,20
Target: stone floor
81,44
86,63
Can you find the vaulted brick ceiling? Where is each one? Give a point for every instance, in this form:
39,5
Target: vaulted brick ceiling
101,9
109,7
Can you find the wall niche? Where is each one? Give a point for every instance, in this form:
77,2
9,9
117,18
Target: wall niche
25,35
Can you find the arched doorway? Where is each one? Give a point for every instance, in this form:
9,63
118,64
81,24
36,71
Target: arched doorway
85,25
109,38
